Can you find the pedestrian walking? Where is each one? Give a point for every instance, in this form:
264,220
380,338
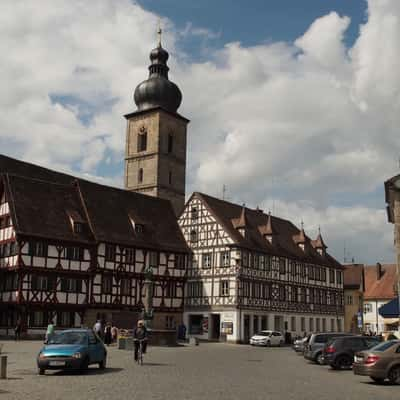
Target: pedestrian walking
114,333
107,334
97,328
49,331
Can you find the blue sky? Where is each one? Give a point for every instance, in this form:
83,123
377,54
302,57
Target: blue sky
255,21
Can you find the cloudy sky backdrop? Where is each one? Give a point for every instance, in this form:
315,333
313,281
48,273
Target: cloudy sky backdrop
295,110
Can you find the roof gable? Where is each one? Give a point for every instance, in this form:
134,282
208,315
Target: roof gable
226,213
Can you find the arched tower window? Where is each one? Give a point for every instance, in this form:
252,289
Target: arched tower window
142,139
140,175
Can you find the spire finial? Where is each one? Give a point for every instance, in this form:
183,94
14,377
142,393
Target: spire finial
159,32
302,224
319,229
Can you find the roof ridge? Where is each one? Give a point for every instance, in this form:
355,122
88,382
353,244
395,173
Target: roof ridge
252,210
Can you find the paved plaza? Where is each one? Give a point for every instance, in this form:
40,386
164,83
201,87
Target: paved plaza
208,371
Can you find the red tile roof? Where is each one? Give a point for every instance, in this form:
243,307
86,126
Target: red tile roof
354,276
284,232
383,288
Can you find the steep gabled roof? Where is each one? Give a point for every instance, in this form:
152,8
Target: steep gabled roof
41,208
383,288
225,212
43,200
353,277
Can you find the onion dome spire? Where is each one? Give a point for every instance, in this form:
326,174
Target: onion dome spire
158,90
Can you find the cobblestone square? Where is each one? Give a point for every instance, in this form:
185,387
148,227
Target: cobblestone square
208,371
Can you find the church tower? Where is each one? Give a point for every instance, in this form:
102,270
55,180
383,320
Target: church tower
155,153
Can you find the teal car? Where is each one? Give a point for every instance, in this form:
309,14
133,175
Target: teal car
72,349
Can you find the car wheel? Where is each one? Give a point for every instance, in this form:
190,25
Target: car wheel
268,343
103,363
320,359
344,362
377,380
41,371
394,375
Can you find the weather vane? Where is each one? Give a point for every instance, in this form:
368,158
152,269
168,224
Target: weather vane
159,32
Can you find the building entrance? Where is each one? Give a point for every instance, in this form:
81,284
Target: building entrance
216,326
246,326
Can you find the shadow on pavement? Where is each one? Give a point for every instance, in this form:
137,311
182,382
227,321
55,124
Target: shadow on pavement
151,364
90,371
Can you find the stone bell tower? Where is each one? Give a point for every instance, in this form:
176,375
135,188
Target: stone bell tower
155,152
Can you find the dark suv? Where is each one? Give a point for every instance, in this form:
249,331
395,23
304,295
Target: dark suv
339,352
313,350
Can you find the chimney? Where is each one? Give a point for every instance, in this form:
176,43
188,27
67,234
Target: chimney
378,271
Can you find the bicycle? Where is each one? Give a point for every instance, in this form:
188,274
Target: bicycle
139,359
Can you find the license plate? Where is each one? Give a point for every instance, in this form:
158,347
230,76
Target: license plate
56,363
358,359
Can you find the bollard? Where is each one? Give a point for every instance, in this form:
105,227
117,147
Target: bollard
3,367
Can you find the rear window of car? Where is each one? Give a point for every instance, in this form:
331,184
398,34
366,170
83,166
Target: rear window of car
321,339
384,346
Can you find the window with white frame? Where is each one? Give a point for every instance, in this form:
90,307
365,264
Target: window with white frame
153,259
193,236
179,261
194,214
130,256
349,300
224,288
206,260
225,259
367,307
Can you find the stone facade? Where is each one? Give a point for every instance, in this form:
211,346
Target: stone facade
159,167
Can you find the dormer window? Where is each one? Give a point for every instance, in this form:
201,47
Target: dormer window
137,225
301,245
78,227
76,220
139,228
269,238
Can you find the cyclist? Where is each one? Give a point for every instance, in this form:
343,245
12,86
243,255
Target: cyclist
140,335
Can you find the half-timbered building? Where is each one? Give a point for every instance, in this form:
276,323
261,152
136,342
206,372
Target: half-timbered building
73,251
252,271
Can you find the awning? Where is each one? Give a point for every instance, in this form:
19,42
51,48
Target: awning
391,321
390,310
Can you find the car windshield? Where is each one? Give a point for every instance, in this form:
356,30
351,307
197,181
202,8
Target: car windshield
384,346
69,338
264,333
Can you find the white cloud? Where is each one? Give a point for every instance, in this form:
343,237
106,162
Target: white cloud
309,123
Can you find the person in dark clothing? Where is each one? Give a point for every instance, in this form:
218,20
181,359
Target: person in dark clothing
140,333
18,329
107,334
